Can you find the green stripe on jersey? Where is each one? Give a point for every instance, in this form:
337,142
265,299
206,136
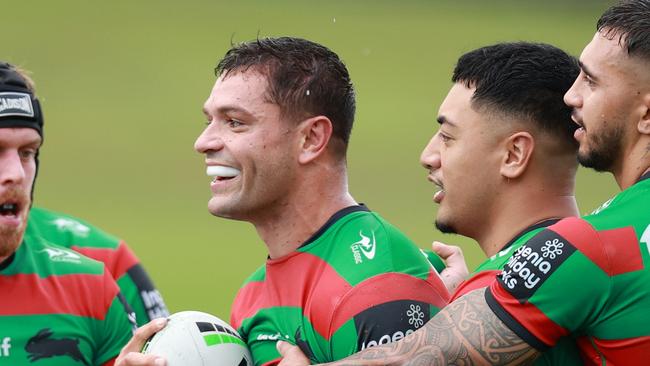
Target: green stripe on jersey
37,256
373,246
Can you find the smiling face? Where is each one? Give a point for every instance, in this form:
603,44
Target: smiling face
249,149
607,99
18,147
463,158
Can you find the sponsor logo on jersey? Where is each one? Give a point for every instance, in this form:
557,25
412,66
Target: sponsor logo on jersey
16,104
365,247
389,322
43,346
533,263
5,346
73,226
270,337
385,339
62,255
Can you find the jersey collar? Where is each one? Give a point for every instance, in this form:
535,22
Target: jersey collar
541,224
332,220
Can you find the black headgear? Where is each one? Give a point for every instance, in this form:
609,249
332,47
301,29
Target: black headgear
19,107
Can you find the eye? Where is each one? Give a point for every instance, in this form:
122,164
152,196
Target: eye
233,123
588,79
444,137
27,154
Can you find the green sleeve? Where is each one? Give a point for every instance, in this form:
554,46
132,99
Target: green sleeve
114,331
434,259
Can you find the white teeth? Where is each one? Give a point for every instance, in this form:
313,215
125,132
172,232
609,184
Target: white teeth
222,171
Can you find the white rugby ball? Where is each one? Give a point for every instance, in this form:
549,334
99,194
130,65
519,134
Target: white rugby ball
193,338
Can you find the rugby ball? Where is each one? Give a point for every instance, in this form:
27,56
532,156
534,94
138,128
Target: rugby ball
193,338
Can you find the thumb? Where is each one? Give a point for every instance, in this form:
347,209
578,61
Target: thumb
291,355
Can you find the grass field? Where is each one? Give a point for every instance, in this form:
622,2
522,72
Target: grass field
122,84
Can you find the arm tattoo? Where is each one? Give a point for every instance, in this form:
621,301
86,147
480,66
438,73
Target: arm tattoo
466,332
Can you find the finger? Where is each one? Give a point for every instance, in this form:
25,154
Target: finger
139,359
141,336
291,355
445,251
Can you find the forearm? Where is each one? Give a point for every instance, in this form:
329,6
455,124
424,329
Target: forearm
464,333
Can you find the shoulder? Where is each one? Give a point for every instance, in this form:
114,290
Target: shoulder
68,230
56,259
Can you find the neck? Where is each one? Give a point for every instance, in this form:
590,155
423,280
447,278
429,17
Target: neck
310,206
635,163
513,217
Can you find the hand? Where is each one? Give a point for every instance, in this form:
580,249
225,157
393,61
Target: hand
291,355
130,354
456,270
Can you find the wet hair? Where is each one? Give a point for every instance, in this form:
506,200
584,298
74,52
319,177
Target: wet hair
630,21
305,79
523,80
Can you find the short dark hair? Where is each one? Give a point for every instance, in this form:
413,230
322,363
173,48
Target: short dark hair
630,21
305,79
524,80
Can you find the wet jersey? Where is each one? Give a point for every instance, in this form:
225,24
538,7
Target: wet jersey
586,277
59,308
134,283
358,282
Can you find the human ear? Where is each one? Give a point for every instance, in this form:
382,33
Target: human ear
518,152
315,134
644,123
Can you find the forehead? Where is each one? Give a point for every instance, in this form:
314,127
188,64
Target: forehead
457,106
17,136
237,88
606,58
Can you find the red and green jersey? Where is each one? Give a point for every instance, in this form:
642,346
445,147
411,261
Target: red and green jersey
358,282
585,277
59,308
76,234
563,353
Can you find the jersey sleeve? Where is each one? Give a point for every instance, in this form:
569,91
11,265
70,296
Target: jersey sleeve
380,310
560,280
117,326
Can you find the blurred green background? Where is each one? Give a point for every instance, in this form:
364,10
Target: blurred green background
122,84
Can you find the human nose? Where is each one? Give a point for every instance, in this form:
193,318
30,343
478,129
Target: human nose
430,156
208,140
12,170
572,97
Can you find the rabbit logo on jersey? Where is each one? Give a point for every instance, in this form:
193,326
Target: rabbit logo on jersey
533,263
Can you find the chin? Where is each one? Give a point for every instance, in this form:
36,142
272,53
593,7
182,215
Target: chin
445,226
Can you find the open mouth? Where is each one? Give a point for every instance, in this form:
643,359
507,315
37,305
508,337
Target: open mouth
9,209
222,173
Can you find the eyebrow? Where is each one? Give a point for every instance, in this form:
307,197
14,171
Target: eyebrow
228,109
585,69
444,120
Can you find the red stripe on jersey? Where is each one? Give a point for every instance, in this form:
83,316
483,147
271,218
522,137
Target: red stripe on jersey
272,362
117,261
298,280
615,251
622,249
479,280
529,316
372,292
585,238
110,362
629,351
75,294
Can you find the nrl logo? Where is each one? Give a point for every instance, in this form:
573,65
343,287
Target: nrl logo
16,104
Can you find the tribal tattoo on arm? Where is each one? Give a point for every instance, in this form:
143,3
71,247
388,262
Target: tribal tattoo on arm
466,332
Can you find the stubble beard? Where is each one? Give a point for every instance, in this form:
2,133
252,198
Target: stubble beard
605,150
